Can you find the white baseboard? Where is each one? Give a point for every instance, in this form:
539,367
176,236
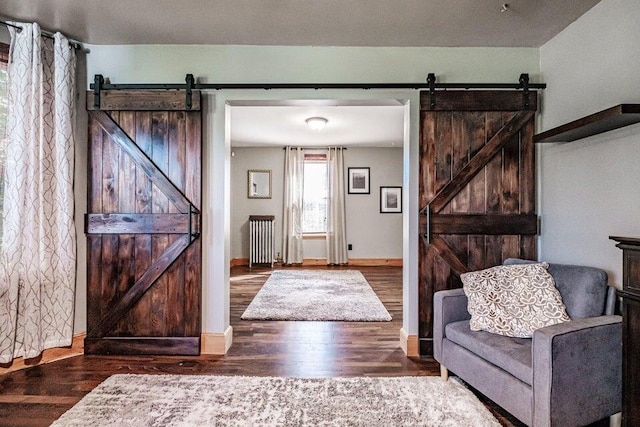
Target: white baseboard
409,344
216,343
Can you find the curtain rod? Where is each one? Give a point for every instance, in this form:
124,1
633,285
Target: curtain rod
73,43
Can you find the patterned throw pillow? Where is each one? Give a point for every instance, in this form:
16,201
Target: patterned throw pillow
513,300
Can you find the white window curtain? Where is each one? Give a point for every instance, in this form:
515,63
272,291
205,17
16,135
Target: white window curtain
38,260
292,210
336,218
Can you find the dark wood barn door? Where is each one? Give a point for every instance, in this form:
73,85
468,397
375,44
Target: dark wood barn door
143,221
477,189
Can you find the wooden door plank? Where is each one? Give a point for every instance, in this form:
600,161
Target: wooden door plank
193,160
94,204
462,133
94,280
427,158
485,154
144,199
478,192
111,243
174,318
126,204
448,254
493,169
156,174
478,100
495,224
159,242
442,152
477,252
140,100
493,177
123,223
111,317
426,265
510,171
193,256
169,346
527,169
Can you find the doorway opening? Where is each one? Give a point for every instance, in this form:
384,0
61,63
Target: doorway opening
374,133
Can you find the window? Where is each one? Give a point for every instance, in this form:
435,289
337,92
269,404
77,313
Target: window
314,211
4,56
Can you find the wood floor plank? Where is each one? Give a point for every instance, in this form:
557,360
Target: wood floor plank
39,395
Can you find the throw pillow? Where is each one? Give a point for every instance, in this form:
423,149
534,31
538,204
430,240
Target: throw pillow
513,300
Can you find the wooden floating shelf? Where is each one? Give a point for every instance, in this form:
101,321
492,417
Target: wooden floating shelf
603,121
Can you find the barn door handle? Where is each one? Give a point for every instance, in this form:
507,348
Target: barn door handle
194,232
427,231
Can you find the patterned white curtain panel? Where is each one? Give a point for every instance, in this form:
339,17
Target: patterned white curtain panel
336,216
292,209
37,268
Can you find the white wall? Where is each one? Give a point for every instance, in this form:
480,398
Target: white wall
373,235
149,64
241,206
589,189
4,35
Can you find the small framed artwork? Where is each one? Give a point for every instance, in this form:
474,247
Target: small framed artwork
390,199
358,180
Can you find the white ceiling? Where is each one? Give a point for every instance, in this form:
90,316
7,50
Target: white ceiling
528,23
303,22
348,125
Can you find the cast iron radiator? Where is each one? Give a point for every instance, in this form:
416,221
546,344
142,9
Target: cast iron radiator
261,239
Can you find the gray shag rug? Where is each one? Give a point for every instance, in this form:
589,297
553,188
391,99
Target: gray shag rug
198,400
343,295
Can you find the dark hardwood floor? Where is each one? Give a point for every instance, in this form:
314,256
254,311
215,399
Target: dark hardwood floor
39,395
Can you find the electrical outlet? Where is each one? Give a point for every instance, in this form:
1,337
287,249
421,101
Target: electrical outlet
350,246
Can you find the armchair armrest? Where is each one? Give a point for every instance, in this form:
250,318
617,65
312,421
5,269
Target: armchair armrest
577,371
448,307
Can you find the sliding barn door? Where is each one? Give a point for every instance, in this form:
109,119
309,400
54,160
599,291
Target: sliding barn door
477,189
142,225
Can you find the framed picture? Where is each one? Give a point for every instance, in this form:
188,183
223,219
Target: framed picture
390,199
358,180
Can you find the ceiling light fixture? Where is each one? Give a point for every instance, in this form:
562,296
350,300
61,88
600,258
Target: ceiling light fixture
316,123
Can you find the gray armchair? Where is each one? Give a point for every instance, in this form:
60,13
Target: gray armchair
568,374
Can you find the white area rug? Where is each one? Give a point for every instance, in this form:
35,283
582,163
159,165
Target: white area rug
317,295
185,400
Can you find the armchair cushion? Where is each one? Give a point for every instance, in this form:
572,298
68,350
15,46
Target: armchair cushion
511,354
584,289
513,300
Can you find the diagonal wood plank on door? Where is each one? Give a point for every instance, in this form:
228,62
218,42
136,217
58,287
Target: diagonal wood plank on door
142,160
127,301
486,153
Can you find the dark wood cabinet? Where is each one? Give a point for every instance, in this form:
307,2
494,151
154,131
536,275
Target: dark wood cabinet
630,329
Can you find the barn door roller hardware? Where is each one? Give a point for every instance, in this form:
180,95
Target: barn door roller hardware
190,85
523,83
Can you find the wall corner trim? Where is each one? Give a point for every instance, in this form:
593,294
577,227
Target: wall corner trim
409,344
216,343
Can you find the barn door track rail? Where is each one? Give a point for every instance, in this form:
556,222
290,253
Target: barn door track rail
100,84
